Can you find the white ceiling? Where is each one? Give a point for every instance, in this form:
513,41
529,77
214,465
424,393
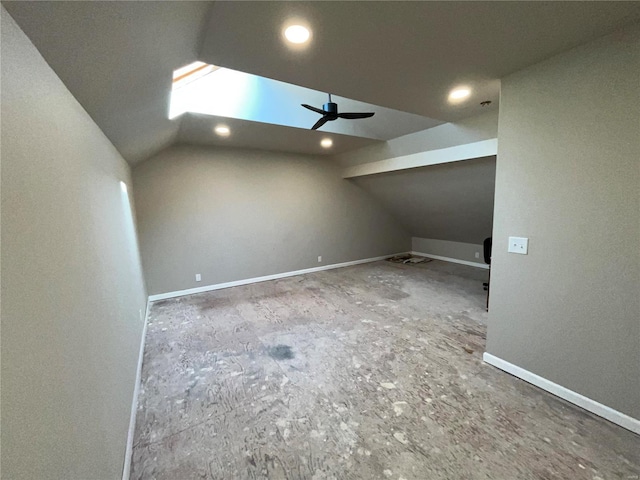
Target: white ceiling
117,57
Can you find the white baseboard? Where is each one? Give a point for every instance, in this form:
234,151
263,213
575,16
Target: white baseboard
128,453
247,281
581,401
452,260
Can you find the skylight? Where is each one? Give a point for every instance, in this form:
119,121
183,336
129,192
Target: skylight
182,78
206,89
210,90
191,72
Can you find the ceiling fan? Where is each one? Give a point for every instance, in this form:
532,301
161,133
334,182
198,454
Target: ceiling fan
329,113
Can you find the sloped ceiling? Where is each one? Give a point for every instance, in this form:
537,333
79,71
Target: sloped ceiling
452,201
117,57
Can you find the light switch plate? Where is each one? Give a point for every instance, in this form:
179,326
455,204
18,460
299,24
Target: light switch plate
518,245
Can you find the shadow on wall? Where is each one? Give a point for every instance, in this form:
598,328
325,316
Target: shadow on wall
451,202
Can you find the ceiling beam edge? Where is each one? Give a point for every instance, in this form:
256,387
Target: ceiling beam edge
468,151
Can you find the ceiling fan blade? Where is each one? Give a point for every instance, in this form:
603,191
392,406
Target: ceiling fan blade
320,122
353,116
313,109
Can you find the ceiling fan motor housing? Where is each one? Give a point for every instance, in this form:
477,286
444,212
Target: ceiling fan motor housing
331,109
329,112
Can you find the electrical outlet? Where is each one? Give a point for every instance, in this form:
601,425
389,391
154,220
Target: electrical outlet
518,245
198,277
477,254
319,258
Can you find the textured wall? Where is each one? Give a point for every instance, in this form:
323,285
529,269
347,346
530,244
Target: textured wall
568,177
231,214
72,287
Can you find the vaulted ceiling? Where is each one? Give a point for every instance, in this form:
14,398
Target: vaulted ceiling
117,57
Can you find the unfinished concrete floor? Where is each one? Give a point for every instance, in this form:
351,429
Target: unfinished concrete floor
367,372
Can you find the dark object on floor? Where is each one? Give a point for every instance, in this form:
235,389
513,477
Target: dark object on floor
408,259
281,352
487,259
399,258
468,350
414,260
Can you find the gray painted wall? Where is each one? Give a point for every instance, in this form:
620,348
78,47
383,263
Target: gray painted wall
449,207
451,201
474,129
232,214
568,178
72,286
444,248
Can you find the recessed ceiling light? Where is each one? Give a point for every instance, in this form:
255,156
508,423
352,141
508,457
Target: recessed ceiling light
326,143
222,130
297,34
458,94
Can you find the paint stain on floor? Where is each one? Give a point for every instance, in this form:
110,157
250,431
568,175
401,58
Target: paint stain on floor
281,352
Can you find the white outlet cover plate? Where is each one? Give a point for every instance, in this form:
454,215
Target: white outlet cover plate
518,245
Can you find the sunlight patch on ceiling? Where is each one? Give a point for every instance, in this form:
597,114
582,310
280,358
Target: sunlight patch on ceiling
189,73
210,90
213,91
